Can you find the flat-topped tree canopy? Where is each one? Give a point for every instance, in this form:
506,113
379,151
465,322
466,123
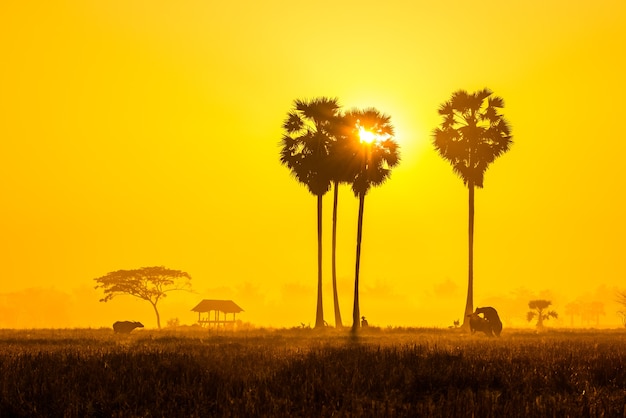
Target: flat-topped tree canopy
225,306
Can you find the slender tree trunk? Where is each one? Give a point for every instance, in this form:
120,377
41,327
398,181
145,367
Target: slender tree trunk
338,323
156,311
319,316
540,320
469,304
356,312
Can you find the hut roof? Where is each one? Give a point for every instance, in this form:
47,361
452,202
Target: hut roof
226,306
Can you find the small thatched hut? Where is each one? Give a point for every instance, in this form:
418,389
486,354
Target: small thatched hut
211,305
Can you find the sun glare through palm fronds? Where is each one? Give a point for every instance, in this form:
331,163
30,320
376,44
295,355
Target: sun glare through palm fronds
367,136
370,137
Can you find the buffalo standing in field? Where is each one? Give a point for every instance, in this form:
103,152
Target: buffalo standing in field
478,323
125,327
492,316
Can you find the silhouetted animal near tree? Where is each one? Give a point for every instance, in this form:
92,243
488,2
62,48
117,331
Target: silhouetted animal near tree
491,315
126,327
148,283
478,323
310,129
472,135
374,153
539,311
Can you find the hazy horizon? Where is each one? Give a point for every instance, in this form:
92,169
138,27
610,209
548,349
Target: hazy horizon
79,308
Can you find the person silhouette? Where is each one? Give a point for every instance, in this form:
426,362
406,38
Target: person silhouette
364,322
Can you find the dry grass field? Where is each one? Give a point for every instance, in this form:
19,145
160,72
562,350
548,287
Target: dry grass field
311,373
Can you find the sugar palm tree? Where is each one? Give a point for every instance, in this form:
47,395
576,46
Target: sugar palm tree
539,311
309,131
472,135
595,309
373,153
573,309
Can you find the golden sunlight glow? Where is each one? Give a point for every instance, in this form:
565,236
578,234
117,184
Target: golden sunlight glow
184,104
370,137
367,136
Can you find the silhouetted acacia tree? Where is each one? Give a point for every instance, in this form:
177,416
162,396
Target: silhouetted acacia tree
310,129
539,311
472,135
148,283
374,153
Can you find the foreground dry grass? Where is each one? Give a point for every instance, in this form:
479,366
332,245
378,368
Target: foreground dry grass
300,372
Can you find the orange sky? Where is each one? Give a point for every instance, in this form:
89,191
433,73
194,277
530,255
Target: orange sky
140,133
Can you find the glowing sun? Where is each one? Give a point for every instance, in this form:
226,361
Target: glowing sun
367,136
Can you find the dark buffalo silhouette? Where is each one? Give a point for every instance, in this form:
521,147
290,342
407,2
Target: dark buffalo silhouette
478,323
492,316
125,327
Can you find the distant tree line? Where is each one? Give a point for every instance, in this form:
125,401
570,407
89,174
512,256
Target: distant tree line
588,312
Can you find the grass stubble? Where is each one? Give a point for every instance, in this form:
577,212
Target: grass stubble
306,373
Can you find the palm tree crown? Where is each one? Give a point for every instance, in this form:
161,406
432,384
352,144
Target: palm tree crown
371,163
310,130
473,133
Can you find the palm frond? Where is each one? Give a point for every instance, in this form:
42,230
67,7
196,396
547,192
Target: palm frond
472,133
496,101
293,123
481,95
319,110
539,304
446,109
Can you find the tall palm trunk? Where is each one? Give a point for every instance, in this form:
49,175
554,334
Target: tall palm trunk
469,304
540,318
319,316
338,323
356,312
